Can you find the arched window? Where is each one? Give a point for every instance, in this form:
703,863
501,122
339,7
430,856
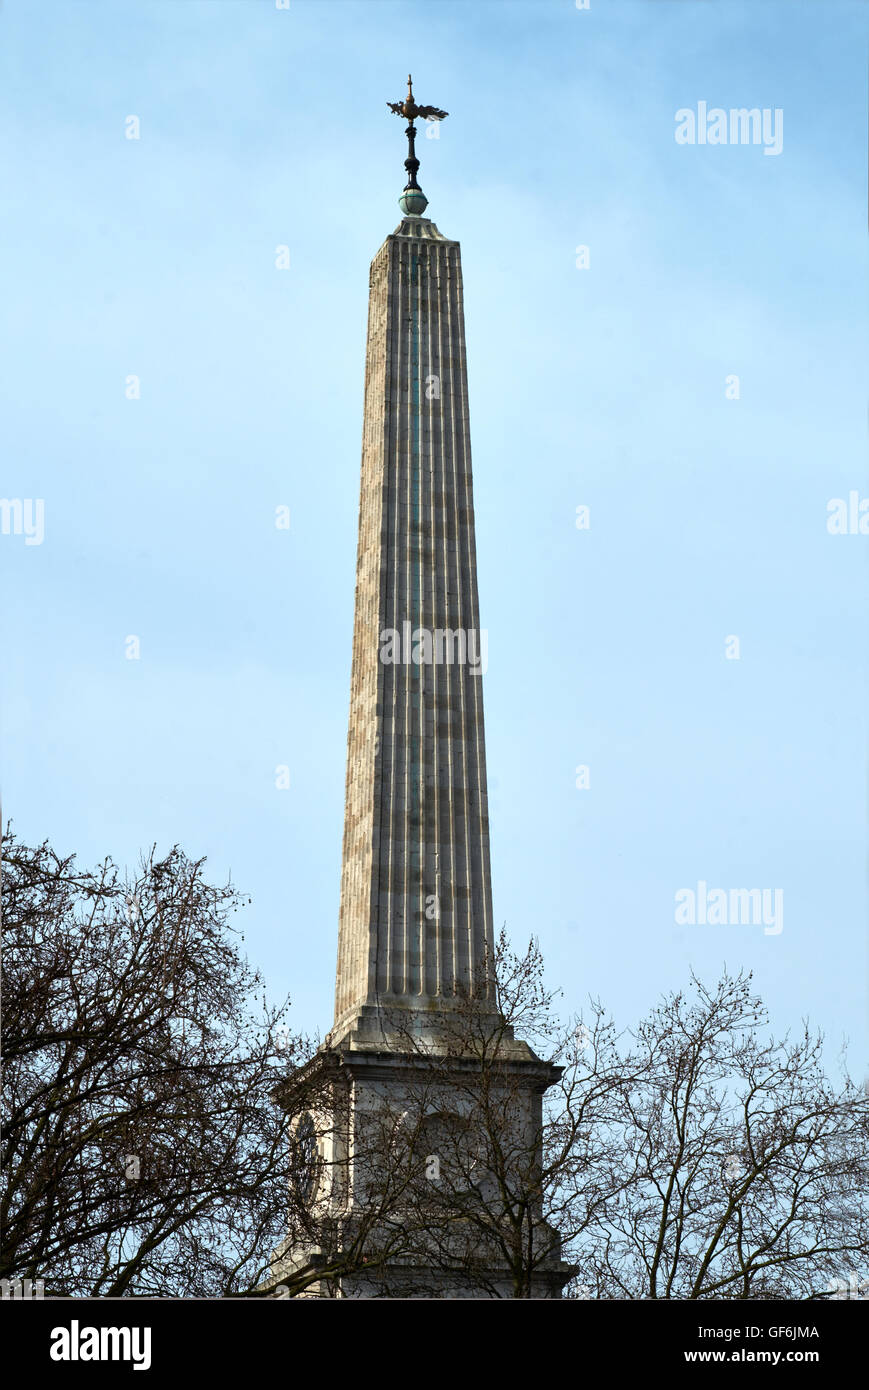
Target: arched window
304,1158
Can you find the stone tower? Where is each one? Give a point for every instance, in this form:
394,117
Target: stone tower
415,932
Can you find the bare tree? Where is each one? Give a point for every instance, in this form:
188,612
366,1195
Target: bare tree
738,1169
141,1151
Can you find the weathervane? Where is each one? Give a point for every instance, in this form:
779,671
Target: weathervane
413,200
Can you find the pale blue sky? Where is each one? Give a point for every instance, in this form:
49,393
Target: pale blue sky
603,387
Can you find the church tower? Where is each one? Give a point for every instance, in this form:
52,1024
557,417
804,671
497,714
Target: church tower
415,940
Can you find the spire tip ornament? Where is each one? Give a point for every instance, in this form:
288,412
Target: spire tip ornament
413,201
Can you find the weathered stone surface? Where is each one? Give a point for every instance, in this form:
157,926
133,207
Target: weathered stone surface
416,898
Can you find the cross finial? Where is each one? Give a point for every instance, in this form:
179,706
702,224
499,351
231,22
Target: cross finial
410,110
413,195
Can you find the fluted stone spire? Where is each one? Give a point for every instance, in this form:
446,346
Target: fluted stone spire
416,900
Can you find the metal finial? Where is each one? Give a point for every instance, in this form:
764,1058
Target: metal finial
409,109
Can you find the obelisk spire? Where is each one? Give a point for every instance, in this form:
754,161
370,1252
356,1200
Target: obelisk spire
416,930
413,201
